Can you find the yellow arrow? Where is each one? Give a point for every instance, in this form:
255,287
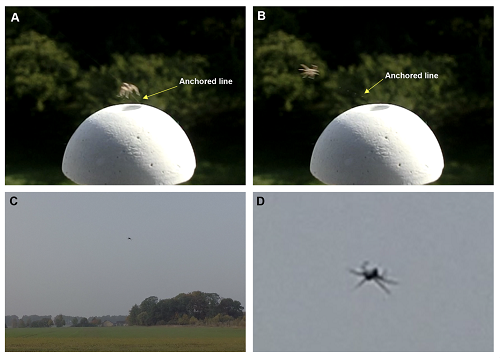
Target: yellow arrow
146,96
368,90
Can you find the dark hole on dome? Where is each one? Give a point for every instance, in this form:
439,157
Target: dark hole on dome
379,107
130,108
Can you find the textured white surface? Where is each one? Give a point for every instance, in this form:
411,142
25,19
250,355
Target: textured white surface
377,144
129,144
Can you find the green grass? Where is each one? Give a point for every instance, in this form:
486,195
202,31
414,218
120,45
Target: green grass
454,173
35,174
220,168
126,339
284,176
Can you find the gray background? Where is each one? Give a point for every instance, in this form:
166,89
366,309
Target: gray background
69,253
439,246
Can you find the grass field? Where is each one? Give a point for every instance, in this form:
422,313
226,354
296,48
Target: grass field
125,339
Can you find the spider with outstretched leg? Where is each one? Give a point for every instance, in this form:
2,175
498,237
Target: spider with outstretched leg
309,72
126,89
373,275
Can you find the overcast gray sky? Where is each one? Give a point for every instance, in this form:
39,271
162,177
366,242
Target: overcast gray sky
69,253
439,246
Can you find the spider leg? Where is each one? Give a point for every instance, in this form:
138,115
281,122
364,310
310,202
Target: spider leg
384,278
391,282
356,272
377,281
360,283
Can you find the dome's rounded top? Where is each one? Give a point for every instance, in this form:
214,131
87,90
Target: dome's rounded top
129,144
377,144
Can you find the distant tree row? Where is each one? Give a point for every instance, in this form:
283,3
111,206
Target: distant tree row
195,308
42,323
84,322
35,321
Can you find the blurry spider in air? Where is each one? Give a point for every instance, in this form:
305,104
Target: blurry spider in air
373,275
309,72
126,89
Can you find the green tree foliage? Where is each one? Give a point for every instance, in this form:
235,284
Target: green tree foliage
191,308
43,323
277,58
429,98
198,305
183,320
95,321
59,320
133,314
142,319
10,319
148,306
84,322
229,307
21,324
74,321
166,310
220,320
180,303
37,71
188,104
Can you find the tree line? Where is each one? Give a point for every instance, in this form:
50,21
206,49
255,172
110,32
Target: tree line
60,320
195,308
35,321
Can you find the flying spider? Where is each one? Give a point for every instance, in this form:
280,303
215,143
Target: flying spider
126,89
309,72
373,274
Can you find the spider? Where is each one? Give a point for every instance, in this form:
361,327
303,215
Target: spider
373,274
127,89
309,72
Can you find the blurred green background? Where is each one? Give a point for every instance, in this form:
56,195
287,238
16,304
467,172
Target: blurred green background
64,64
354,48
